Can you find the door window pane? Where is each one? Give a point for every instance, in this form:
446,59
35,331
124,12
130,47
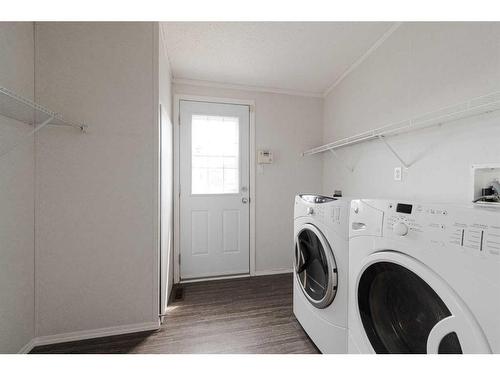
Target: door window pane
214,155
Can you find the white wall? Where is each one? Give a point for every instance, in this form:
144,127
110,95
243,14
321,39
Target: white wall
422,67
167,204
16,194
96,254
286,125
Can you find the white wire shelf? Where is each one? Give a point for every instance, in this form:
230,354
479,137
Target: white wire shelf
18,108
474,107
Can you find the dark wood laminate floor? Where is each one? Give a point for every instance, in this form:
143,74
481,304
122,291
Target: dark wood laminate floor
250,315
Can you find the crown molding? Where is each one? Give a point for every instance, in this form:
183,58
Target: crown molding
363,57
235,86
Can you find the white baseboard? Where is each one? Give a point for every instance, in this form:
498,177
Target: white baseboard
273,272
257,273
89,334
239,276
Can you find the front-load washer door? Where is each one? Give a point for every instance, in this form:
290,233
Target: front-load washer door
315,266
405,308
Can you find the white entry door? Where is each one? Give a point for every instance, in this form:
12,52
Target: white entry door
214,189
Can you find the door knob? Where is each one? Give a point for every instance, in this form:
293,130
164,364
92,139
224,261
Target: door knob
244,200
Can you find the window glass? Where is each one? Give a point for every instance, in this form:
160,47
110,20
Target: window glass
214,155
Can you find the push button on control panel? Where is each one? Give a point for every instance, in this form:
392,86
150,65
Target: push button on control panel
476,238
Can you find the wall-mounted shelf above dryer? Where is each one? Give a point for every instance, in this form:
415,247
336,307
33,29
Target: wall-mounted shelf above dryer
474,107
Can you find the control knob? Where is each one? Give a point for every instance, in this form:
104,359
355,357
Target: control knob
401,229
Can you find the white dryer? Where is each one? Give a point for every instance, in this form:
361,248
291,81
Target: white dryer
423,278
320,269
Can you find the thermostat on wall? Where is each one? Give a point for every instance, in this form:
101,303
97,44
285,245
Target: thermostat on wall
265,157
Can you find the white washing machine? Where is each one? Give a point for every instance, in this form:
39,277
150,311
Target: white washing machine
320,269
423,278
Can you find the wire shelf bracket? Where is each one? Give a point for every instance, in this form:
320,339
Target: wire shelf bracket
394,152
37,128
342,160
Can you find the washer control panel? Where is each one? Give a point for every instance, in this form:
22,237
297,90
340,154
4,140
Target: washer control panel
472,230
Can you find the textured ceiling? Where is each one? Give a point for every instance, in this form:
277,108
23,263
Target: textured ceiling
296,56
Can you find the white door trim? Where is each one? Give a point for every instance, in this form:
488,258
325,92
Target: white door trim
211,99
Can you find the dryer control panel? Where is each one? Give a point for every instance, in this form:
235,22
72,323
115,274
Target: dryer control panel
473,230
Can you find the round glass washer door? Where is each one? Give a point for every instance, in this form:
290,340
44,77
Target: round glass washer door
405,308
315,266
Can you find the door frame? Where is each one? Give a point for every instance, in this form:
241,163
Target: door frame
252,152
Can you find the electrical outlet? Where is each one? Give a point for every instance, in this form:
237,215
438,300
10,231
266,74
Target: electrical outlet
398,174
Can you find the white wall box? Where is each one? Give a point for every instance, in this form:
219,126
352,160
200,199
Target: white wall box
486,176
